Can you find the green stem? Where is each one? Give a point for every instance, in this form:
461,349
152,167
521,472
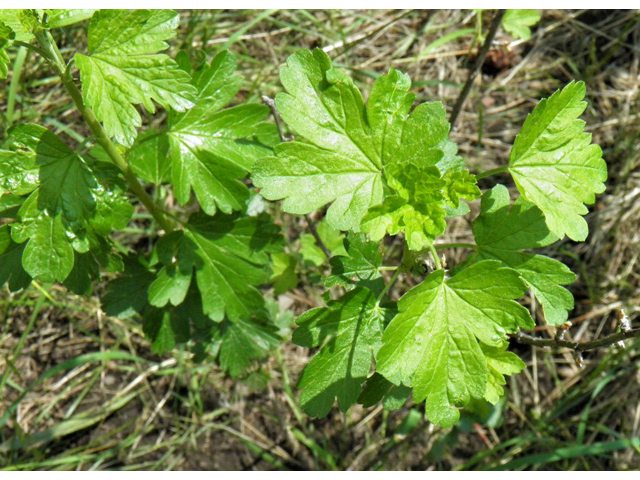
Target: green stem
492,172
55,57
436,259
444,246
388,286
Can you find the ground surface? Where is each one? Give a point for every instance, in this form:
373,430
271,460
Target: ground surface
108,403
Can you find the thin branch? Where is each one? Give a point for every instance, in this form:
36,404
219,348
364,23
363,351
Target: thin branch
270,102
482,53
577,346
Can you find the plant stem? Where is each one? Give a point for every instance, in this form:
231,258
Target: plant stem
388,286
55,57
444,246
436,260
495,171
578,347
476,66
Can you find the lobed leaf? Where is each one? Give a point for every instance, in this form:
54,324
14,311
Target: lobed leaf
434,343
502,231
349,330
123,68
555,165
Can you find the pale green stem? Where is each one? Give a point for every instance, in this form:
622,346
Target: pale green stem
436,259
495,171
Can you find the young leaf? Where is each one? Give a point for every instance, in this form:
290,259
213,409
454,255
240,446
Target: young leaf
350,147
503,231
124,68
519,20
555,165
433,343
212,149
69,205
350,329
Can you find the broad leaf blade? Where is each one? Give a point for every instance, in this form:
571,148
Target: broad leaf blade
352,328
555,165
502,231
124,68
433,344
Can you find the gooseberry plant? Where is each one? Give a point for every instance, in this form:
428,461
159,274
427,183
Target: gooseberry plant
386,172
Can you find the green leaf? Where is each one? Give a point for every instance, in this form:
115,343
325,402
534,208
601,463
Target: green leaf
331,238
124,68
379,389
310,251
230,258
361,263
64,17
213,149
499,363
149,157
243,341
16,19
503,231
417,210
348,148
11,270
157,326
284,275
433,343
4,64
70,204
518,22
555,165
127,294
349,330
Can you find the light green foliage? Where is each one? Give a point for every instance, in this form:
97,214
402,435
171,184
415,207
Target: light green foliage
349,148
284,277
518,22
433,343
310,251
6,35
20,21
503,231
349,330
70,204
555,165
123,68
64,17
213,148
499,363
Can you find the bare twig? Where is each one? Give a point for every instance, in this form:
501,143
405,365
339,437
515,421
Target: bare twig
482,53
625,333
271,103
